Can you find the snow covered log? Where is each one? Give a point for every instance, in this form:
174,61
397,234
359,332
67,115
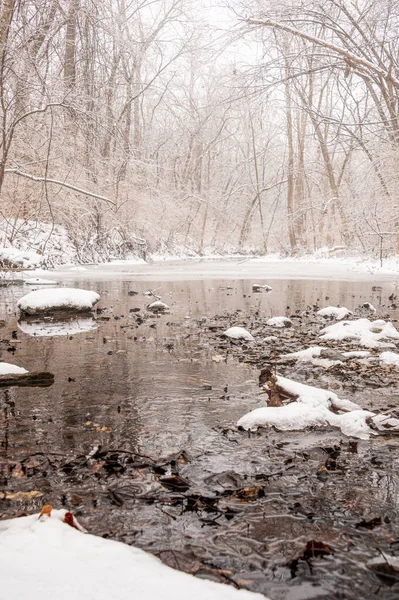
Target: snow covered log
51,557
66,300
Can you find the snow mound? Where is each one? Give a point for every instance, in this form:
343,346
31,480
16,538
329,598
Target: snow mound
59,327
279,322
368,333
305,355
8,369
56,300
48,559
22,259
293,417
239,333
38,281
338,312
390,358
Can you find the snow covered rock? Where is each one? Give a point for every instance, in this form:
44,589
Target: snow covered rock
279,322
58,300
257,288
337,312
158,306
367,333
369,306
39,281
390,358
48,559
20,259
8,369
239,333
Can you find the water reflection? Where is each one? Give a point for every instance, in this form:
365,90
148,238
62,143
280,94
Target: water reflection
58,327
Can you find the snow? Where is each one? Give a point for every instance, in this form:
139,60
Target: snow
338,312
158,305
59,327
8,369
353,424
368,333
66,299
323,397
369,307
357,354
293,417
312,408
390,358
279,322
23,259
39,281
46,559
306,412
77,269
305,355
239,333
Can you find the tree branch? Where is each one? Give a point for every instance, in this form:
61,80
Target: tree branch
61,183
352,58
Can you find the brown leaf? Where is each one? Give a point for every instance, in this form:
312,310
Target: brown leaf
46,510
69,520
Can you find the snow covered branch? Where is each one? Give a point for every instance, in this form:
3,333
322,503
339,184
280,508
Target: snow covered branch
61,183
352,58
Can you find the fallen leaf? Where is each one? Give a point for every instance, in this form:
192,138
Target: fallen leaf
46,510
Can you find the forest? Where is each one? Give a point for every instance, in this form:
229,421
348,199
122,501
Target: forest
196,127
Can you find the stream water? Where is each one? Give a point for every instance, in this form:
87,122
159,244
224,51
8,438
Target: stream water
125,390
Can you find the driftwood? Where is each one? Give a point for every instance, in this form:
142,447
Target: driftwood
35,378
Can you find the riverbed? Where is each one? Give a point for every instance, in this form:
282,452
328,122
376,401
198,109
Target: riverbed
137,438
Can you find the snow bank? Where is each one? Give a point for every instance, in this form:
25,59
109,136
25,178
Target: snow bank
368,333
338,312
59,327
15,258
390,358
239,333
8,369
59,299
279,322
46,559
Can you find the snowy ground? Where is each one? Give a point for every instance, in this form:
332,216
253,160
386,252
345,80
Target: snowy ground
48,559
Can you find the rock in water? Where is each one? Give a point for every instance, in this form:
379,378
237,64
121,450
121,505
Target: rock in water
158,306
60,300
239,333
